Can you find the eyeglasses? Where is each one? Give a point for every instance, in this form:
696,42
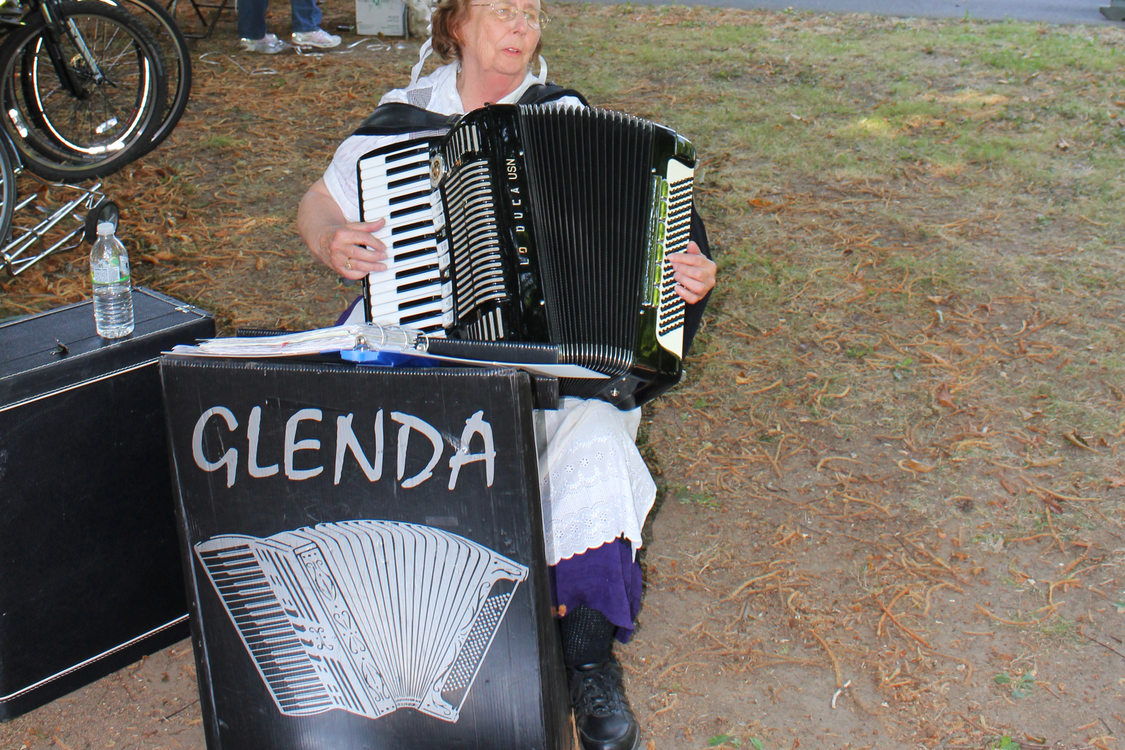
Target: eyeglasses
536,19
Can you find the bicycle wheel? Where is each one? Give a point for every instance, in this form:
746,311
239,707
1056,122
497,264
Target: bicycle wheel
109,116
7,193
177,59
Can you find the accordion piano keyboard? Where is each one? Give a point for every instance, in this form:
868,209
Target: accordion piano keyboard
395,185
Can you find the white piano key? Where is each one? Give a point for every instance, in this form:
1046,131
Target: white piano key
418,297
402,265
382,206
373,171
374,185
429,308
369,169
388,299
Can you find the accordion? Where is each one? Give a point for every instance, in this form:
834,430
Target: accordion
363,616
539,225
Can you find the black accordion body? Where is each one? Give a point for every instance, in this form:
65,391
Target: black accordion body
542,225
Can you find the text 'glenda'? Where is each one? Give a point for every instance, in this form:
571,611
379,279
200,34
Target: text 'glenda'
297,440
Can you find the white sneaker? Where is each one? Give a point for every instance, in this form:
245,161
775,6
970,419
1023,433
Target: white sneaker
315,38
267,45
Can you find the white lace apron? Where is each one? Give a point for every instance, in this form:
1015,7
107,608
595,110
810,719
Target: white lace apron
594,483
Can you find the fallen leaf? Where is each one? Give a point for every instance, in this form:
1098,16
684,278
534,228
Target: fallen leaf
1074,438
909,464
944,397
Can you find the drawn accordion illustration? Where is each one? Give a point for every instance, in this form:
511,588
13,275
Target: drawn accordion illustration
365,616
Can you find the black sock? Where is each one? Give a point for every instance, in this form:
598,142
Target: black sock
587,636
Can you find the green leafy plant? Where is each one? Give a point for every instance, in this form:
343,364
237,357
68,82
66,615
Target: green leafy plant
1018,687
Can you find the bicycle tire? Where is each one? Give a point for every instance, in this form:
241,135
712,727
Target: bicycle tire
7,192
63,137
177,59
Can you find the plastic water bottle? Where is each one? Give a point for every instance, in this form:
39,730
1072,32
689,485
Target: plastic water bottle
113,289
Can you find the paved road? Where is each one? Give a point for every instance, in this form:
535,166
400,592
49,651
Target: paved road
1049,11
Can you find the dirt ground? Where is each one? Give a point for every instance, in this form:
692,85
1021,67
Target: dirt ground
872,532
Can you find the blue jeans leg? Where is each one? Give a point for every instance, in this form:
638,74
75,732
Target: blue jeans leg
252,18
306,15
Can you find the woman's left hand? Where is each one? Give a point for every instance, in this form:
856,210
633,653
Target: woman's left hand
694,273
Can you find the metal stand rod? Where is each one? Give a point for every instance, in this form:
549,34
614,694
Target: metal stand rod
32,239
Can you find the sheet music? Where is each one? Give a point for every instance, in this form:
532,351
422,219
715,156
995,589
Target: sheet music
368,336
355,340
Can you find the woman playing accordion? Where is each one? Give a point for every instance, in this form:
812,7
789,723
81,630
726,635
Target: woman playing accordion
595,486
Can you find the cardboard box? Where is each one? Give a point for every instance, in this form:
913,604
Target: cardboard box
387,17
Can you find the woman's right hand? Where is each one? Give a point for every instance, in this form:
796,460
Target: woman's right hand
348,248
352,250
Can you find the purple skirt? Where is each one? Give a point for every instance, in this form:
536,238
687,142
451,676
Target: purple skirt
605,578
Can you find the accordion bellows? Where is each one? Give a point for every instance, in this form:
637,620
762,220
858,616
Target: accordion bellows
364,616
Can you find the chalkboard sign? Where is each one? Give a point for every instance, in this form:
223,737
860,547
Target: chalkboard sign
364,556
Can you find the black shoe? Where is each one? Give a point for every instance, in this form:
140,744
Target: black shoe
601,711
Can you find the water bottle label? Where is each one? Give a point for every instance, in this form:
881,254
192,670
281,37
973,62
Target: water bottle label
106,273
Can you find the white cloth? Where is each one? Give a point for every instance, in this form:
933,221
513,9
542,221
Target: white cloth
593,481
594,484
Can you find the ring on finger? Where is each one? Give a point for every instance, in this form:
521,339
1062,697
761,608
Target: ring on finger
348,263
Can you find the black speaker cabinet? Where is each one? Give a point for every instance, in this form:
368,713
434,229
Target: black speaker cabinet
364,551
90,576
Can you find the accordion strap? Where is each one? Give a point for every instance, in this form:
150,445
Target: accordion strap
693,314
394,118
541,93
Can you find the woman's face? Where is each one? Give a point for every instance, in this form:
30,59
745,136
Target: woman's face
492,46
